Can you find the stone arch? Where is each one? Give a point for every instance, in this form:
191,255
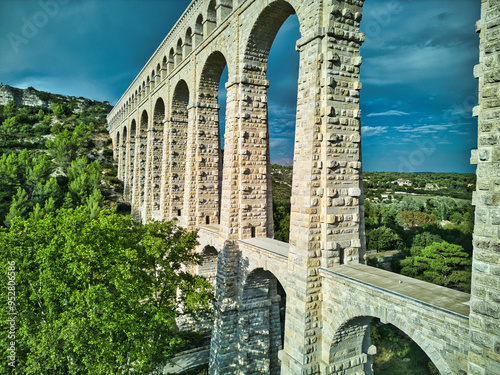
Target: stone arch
226,7
164,67
156,153
188,41
117,146
254,107
158,73
123,154
177,135
153,79
142,132
350,345
171,62
262,36
261,321
211,15
210,138
129,182
198,31
178,52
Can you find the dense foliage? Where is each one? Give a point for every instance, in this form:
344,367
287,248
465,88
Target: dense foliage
98,296
440,263
412,226
49,158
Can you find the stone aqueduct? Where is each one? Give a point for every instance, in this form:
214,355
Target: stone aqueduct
302,307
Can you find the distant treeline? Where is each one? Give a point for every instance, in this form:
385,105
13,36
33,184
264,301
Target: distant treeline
454,185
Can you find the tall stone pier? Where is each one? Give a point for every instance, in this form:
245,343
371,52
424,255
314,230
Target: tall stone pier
484,355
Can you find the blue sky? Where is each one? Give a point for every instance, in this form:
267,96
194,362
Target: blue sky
418,88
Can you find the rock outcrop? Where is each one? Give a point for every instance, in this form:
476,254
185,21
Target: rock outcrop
34,98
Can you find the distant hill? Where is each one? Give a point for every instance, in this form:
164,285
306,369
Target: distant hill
33,98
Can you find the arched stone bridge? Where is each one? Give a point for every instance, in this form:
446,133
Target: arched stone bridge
301,308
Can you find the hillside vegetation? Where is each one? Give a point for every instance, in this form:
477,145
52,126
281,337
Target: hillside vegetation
52,158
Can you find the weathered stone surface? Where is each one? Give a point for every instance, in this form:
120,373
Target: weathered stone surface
485,304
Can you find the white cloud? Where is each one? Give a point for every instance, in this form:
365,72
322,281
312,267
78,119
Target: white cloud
459,132
368,131
391,112
423,129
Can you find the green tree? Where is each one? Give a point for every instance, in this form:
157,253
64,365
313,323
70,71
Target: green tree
38,170
416,218
441,263
99,296
43,126
94,203
83,179
383,239
67,146
68,201
58,111
62,148
40,115
456,217
422,240
18,208
10,110
8,130
371,214
42,192
410,204
281,224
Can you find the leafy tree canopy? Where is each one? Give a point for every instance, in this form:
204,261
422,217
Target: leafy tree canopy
383,239
441,263
98,296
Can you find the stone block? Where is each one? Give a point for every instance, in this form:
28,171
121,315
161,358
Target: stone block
354,192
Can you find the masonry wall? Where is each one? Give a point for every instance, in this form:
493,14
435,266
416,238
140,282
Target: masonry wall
484,356
348,306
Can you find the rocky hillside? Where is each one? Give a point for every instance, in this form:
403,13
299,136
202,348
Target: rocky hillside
33,98
55,152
